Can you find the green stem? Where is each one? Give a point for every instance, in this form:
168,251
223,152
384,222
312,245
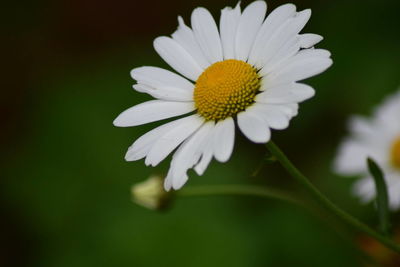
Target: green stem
323,200
382,200
243,190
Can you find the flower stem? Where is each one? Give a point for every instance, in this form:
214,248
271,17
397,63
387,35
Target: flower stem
323,200
242,190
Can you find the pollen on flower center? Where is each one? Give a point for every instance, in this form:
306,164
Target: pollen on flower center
225,89
395,153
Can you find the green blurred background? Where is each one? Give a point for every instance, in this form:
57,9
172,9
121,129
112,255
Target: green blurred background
65,188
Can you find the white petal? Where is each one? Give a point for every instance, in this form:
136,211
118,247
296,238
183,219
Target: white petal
308,40
286,93
206,32
228,27
253,127
224,138
249,25
282,35
185,37
166,143
158,77
298,68
303,91
393,191
150,111
307,54
271,24
205,159
168,181
361,126
142,88
166,93
387,113
207,152
314,53
177,57
272,115
351,158
141,147
365,189
179,182
188,155
304,69
289,49
289,109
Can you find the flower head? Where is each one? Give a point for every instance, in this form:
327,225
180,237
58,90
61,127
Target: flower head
244,71
379,138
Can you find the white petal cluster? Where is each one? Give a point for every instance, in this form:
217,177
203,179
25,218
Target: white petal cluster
272,44
374,138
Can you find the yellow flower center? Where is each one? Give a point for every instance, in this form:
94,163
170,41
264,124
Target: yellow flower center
225,89
396,153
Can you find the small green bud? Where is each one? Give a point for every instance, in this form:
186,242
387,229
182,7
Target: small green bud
151,193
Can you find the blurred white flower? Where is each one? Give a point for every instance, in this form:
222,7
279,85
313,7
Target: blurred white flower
150,193
246,70
379,138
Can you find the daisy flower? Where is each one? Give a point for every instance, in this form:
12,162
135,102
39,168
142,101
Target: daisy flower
379,138
244,72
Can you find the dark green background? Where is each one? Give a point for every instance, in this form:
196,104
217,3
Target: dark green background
65,188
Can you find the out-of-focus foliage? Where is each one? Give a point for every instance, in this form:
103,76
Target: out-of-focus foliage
65,188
